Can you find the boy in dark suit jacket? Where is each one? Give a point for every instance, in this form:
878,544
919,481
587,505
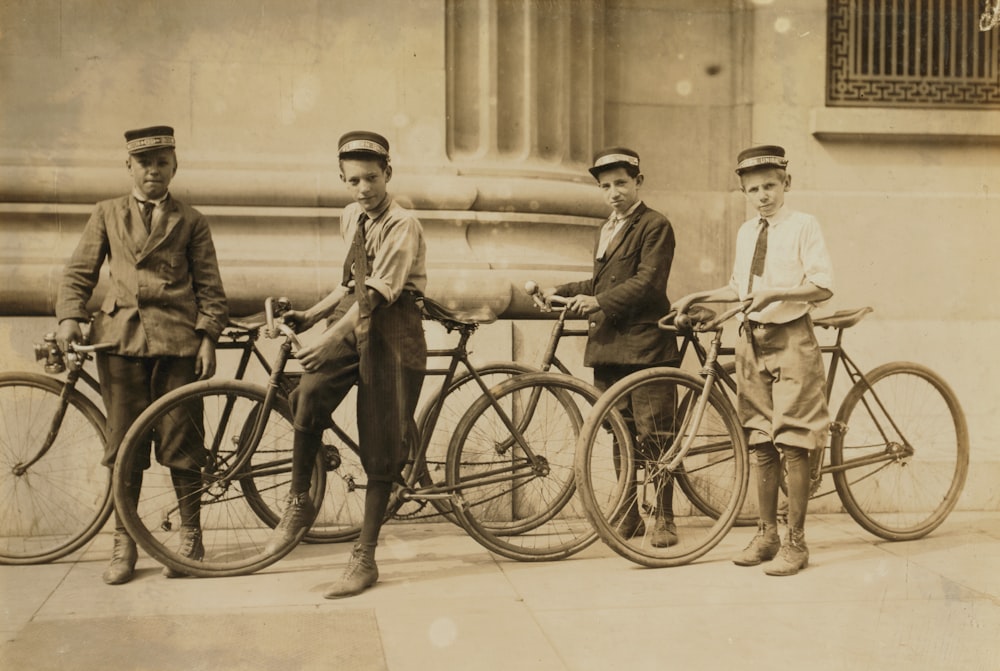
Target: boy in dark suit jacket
163,311
623,301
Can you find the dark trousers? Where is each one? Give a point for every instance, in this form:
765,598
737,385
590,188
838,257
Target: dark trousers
129,385
388,364
649,414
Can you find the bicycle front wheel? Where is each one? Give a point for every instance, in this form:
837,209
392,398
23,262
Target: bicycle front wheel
510,463
54,493
243,485
616,475
900,451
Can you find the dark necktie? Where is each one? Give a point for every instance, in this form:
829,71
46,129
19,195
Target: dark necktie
147,214
759,254
360,258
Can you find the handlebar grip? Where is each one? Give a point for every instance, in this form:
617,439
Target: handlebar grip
532,289
664,322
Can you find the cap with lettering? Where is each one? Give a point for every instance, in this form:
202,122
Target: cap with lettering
612,157
763,156
363,142
147,139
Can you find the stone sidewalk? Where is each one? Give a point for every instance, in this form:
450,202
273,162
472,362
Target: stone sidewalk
445,603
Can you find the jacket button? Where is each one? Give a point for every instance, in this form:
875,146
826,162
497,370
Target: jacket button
593,324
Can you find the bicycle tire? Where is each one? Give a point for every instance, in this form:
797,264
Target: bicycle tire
611,485
235,483
62,500
529,517
426,466
341,514
901,496
701,486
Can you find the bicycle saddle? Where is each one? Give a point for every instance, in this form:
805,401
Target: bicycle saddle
842,319
249,323
455,318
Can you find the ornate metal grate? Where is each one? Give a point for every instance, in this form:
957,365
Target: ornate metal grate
911,53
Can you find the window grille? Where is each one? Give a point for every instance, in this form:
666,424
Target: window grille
912,53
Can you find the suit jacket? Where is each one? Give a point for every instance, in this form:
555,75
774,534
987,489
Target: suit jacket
630,283
165,288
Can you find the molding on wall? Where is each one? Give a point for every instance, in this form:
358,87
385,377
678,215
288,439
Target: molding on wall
858,123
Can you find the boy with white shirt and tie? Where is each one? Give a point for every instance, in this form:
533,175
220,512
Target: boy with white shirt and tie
622,302
782,269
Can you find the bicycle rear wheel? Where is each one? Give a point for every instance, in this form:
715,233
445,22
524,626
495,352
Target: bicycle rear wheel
427,463
511,462
244,485
900,451
613,478
54,500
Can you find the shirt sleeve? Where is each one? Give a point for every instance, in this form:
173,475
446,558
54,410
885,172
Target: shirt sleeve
397,252
815,258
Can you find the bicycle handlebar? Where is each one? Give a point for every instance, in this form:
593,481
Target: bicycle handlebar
692,323
532,289
279,328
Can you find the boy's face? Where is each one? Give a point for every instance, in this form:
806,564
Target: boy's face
765,189
620,189
366,181
152,171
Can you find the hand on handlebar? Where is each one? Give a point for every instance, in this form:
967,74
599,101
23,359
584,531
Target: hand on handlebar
69,333
298,320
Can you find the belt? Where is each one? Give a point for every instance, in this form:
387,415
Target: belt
413,293
748,327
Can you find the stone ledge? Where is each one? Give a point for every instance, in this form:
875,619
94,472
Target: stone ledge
867,123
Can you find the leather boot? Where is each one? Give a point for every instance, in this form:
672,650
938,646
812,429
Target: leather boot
360,574
191,548
664,532
632,524
793,556
763,547
298,515
124,554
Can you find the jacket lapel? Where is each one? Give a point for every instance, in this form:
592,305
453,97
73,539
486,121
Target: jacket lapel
161,231
130,227
621,236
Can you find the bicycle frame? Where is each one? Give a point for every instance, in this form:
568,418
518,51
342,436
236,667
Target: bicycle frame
75,372
839,358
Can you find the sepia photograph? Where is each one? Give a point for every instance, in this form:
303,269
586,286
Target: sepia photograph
475,335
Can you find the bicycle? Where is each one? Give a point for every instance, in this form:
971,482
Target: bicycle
54,493
508,478
898,451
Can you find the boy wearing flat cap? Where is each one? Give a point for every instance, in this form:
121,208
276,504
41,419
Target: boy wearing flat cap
623,300
782,270
374,338
163,312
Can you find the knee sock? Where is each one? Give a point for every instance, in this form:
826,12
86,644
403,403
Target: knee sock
305,447
187,485
132,487
767,466
797,464
376,502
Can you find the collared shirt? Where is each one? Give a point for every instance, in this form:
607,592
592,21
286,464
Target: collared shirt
394,241
612,227
158,204
796,254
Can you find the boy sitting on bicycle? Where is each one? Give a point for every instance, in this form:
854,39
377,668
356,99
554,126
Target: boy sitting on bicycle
375,338
781,271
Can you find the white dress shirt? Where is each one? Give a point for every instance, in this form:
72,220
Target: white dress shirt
796,254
